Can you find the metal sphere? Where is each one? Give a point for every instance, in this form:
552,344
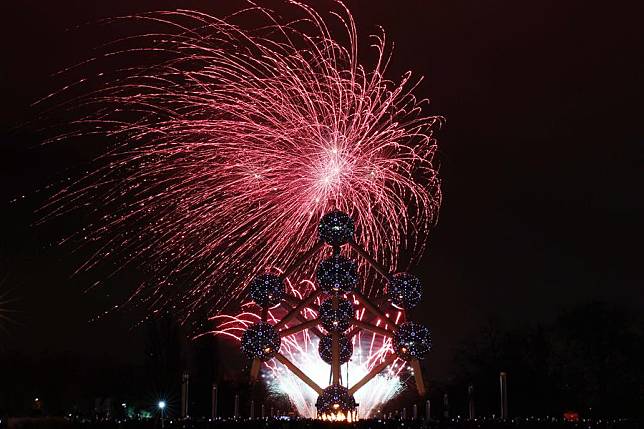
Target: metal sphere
335,399
412,341
337,274
336,228
404,290
260,341
337,320
345,347
266,290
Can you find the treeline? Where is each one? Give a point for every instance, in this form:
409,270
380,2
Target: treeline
589,360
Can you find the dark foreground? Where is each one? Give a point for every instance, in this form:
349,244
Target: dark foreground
60,423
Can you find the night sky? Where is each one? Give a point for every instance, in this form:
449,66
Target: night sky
541,161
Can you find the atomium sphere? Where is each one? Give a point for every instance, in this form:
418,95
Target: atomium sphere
266,290
260,341
335,399
337,320
412,341
404,290
336,228
337,274
345,347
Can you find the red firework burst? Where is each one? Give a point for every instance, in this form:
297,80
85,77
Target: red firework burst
235,141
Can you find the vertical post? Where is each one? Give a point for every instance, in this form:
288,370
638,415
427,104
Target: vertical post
263,412
445,406
236,411
418,375
415,411
252,409
272,412
503,380
428,410
254,370
404,413
470,404
335,350
185,383
213,402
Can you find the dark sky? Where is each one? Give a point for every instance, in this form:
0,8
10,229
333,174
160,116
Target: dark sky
541,160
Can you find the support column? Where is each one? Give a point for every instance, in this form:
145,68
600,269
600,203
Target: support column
418,375
375,371
298,372
335,350
254,370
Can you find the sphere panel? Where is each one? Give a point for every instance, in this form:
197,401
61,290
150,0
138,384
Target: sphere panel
412,341
337,320
260,341
336,228
337,274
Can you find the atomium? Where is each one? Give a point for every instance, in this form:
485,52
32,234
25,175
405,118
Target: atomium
412,341
260,341
345,348
337,278
336,228
335,399
337,274
336,320
404,290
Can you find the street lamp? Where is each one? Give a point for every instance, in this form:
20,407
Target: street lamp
161,408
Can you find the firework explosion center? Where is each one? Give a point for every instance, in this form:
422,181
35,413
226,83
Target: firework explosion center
335,321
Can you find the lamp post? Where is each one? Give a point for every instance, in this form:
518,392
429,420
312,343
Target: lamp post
161,408
503,381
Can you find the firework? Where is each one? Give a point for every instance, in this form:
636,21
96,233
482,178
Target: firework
7,310
225,139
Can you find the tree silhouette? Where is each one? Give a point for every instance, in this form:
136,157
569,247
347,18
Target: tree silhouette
589,360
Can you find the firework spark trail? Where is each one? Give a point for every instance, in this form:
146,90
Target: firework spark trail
230,147
7,310
302,349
